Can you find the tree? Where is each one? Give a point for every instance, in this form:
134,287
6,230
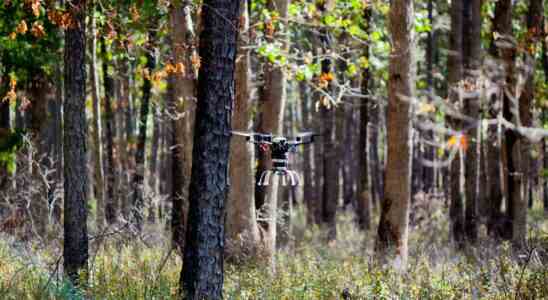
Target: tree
182,91
110,128
471,46
203,272
393,227
364,197
271,108
241,224
96,122
75,248
138,178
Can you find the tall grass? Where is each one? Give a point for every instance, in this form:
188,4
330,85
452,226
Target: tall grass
308,268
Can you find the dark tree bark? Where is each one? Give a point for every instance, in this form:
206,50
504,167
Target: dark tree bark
110,125
545,147
393,226
471,45
138,177
203,272
153,166
428,181
75,248
364,196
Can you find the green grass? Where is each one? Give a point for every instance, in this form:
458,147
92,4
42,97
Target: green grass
308,269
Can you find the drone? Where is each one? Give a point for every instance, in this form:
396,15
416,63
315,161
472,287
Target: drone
279,147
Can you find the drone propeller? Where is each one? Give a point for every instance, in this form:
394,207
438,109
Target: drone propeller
304,137
254,137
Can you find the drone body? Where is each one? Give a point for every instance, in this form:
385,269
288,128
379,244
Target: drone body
279,147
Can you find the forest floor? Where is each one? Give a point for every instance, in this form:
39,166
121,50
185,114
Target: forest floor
308,268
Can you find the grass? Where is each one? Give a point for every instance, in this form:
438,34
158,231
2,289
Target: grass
307,269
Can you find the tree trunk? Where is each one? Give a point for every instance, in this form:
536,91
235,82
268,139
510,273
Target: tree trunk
429,183
523,147
308,180
202,275
364,196
75,248
96,123
545,67
182,125
393,226
271,108
138,177
498,172
153,164
241,224
110,125
330,187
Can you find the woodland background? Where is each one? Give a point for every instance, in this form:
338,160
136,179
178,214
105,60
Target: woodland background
428,179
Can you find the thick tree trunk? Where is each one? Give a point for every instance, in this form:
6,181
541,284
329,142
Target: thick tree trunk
393,226
241,225
202,274
96,124
75,248
182,86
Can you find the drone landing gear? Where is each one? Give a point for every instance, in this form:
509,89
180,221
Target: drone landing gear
264,180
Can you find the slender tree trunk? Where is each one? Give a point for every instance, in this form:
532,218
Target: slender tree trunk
308,183
545,67
96,123
110,125
241,225
330,187
202,275
497,157
271,107
138,178
471,45
126,146
364,196
393,226
153,164
521,154
75,248
429,183
4,129
182,104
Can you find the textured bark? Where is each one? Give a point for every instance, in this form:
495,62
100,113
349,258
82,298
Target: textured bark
138,177
271,108
545,147
393,225
471,45
364,196
202,275
4,127
182,126
241,225
75,248
96,123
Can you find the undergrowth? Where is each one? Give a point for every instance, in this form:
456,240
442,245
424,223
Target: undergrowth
307,268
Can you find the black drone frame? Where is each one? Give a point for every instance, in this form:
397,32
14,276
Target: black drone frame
279,148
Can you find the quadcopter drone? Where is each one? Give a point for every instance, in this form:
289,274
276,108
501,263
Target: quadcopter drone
279,147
